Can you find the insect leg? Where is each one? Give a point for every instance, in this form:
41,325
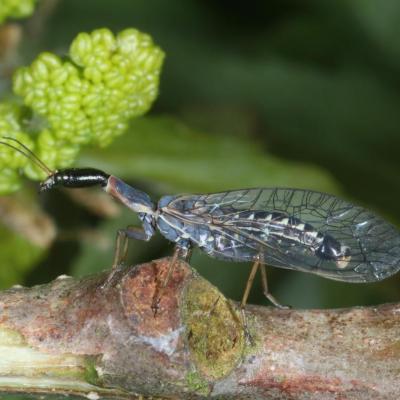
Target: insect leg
266,292
121,249
182,251
249,284
121,242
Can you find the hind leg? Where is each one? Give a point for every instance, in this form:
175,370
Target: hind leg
266,291
257,264
249,284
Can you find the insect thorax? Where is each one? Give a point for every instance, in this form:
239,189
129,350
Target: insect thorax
148,223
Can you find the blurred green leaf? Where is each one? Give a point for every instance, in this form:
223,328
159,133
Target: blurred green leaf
168,153
380,21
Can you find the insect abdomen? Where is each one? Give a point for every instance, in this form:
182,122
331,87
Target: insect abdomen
279,227
332,249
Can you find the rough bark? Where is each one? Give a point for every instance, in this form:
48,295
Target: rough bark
80,337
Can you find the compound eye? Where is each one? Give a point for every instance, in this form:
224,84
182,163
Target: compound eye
47,184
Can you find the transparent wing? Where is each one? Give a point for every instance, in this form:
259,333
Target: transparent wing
231,233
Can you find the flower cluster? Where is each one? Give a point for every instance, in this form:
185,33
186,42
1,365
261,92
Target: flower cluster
10,160
90,97
16,8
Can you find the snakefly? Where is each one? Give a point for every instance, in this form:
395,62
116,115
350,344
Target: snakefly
287,228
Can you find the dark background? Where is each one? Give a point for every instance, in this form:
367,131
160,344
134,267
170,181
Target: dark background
270,93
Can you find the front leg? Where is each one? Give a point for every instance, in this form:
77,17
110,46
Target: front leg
121,249
122,240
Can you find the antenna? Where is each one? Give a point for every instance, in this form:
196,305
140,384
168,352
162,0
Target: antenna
28,153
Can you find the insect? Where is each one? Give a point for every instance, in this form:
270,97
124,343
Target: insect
288,228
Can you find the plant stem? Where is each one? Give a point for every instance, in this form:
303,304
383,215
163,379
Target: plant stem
84,338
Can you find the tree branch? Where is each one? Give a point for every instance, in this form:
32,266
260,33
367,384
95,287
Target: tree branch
78,337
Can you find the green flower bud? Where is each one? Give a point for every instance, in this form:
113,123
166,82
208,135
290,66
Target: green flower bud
88,99
10,159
